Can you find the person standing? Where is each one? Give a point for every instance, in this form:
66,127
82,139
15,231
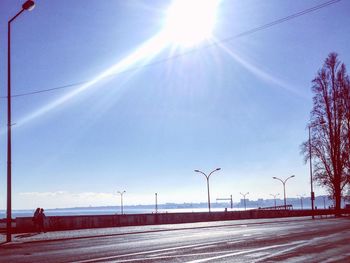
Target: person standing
41,220
35,218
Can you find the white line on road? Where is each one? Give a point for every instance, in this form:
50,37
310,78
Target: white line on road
151,258
306,242
233,242
148,252
204,247
154,257
271,255
242,252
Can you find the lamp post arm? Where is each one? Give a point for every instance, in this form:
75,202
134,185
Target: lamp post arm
212,172
288,178
121,193
13,18
198,171
278,179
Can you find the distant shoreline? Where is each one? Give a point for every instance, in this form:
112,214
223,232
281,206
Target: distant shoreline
109,210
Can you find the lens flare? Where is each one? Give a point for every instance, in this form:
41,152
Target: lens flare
143,54
189,22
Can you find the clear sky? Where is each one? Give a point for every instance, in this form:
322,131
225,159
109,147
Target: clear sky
141,122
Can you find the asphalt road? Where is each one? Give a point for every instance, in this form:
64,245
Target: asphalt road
286,240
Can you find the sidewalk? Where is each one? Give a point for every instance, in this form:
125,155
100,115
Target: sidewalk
112,231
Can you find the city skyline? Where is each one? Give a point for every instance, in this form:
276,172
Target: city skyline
146,112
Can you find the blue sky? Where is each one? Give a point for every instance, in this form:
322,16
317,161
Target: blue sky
242,105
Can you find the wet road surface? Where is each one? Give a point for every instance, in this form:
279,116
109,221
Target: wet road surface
287,240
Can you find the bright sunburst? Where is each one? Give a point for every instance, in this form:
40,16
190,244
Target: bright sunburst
190,21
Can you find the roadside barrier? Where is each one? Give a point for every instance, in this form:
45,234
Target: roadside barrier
57,223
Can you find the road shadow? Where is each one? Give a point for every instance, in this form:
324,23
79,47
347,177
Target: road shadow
27,235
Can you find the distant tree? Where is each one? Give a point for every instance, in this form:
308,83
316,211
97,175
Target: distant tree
329,124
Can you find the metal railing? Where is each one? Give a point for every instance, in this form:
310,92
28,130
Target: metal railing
278,207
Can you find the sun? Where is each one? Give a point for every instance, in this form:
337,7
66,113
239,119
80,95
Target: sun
189,22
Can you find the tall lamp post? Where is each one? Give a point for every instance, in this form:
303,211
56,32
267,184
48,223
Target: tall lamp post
207,177
28,5
274,197
301,201
156,197
121,200
284,188
321,122
244,195
311,183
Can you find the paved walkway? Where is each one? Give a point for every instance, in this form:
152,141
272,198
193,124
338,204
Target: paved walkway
113,231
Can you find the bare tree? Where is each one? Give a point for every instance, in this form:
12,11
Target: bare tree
346,127
330,128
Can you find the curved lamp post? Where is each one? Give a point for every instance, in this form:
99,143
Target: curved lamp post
244,195
207,177
28,5
274,197
301,201
121,200
284,187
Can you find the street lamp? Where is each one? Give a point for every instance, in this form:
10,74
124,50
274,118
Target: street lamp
28,5
244,195
301,201
321,122
311,180
207,177
121,200
274,197
284,188
156,196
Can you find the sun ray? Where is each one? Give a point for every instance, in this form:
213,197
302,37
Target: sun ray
259,72
143,54
188,23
